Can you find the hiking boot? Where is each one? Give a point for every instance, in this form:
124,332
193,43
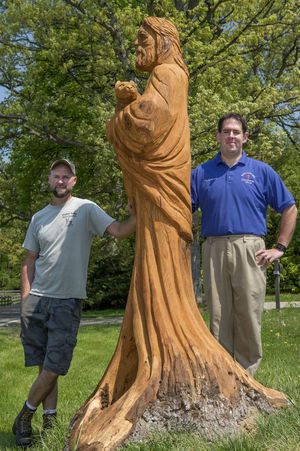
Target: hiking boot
49,421
22,427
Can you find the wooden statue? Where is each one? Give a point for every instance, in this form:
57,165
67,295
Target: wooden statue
167,371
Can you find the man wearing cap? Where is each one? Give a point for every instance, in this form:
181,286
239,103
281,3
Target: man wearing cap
54,274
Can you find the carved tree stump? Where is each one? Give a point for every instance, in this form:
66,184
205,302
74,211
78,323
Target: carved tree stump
167,371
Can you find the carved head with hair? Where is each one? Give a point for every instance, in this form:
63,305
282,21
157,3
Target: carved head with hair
158,42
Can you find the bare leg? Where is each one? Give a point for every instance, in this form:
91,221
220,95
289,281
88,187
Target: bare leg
50,402
44,389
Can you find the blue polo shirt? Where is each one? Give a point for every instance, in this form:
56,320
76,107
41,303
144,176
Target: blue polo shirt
234,200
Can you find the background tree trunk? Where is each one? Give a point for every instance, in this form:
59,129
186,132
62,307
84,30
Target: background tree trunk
196,258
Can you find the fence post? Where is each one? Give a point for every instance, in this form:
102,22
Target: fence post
277,270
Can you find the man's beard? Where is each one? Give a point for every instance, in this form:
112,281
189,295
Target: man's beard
62,194
145,58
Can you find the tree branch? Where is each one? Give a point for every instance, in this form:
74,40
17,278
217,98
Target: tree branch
235,39
114,29
287,132
286,55
17,214
42,131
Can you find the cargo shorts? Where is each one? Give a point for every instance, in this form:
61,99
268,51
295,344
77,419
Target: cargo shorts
49,329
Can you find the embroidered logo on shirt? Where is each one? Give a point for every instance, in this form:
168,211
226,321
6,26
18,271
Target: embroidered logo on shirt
209,180
248,177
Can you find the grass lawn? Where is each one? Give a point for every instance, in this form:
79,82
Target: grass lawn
280,369
284,297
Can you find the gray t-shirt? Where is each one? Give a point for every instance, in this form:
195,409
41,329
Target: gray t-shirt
62,236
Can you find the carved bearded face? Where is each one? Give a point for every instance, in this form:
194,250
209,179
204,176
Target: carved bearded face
146,49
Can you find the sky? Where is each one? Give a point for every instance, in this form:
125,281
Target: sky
3,92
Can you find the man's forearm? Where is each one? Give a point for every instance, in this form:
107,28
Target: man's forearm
287,225
122,229
265,257
27,276
127,227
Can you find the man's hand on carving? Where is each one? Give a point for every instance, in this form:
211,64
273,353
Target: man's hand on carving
131,206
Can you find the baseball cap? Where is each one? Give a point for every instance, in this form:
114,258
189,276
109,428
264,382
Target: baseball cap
66,163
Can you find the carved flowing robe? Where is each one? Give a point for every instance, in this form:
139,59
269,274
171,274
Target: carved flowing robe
151,140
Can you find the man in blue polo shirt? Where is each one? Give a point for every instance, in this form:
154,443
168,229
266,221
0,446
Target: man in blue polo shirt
233,193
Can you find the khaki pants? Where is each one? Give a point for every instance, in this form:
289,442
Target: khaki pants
234,287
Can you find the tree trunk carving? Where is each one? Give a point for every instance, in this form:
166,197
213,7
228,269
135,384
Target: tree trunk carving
167,371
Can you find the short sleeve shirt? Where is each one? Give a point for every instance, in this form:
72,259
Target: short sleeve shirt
62,237
234,200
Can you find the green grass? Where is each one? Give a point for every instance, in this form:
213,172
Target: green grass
279,369
284,297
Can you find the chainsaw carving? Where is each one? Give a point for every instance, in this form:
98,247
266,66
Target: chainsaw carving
167,371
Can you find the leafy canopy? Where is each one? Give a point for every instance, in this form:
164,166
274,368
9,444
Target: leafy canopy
59,61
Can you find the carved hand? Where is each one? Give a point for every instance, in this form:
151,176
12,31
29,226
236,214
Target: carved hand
126,92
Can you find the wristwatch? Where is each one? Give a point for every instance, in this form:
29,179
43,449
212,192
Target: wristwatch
280,247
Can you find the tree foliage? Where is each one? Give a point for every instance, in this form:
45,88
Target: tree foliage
60,59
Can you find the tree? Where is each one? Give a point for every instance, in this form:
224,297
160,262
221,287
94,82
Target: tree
59,60
10,255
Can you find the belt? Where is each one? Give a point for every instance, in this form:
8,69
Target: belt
245,237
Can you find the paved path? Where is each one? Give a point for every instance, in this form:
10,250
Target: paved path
272,305
10,315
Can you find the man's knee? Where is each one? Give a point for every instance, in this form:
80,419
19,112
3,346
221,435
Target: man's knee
49,376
